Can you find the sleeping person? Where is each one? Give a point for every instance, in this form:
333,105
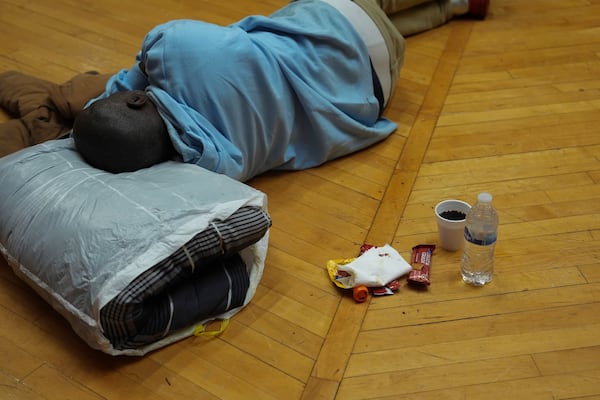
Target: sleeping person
290,91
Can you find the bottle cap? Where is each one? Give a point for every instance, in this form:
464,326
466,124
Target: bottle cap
484,198
360,293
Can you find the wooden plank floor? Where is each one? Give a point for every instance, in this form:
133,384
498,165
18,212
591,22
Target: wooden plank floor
510,105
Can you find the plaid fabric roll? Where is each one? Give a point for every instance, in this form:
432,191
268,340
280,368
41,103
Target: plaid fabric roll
203,278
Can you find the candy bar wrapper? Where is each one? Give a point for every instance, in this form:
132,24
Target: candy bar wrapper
421,262
390,288
364,248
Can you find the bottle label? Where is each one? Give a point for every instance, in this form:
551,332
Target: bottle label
481,241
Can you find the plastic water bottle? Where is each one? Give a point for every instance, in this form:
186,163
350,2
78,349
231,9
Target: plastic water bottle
481,231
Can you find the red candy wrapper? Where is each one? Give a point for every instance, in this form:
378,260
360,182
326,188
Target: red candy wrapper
389,288
364,248
421,257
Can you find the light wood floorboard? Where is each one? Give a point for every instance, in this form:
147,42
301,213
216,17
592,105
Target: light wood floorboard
509,105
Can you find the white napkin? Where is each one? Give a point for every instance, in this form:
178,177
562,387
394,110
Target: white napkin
375,267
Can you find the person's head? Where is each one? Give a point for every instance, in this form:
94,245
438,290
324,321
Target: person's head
121,133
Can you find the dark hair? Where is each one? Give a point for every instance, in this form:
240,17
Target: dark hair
121,133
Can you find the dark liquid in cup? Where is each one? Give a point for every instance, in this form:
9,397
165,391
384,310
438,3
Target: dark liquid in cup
453,215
